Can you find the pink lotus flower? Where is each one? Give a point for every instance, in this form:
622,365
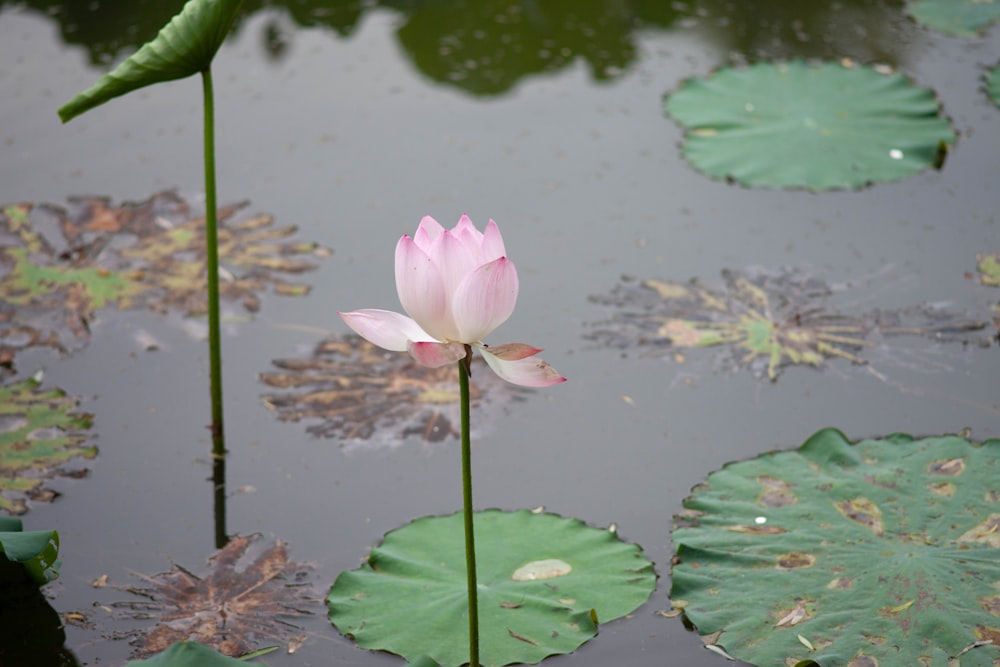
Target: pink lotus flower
457,286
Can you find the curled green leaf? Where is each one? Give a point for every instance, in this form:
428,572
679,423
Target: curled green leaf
185,46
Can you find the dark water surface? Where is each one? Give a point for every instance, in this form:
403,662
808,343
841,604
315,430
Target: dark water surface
355,121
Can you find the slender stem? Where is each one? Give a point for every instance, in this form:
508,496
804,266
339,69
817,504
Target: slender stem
212,267
470,539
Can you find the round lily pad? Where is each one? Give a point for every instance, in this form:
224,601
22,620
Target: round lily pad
884,552
799,125
544,580
964,18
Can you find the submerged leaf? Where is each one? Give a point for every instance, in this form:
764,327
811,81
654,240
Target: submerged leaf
360,392
148,254
964,18
410,596
765,320
871,562
820,127
39,435
185,46
993,83
248,597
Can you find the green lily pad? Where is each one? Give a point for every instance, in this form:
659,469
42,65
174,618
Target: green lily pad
989,268
993,84
964,18
39,434
884,552
188,654
765,321
184,47
37,551
351,390
798,125
542,578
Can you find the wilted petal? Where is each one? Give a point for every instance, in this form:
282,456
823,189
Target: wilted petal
513,351
492,246
421,290
527,372
436,354
485,299
385,328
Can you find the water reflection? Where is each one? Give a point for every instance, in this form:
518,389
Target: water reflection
485,47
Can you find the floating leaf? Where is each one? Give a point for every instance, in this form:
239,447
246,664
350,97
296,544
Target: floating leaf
188,654
148,254
361,392
964,18
766,320
248,596
185,46
989,268
36,551
993,83
39,434
410,596
820,127
871,565
48,296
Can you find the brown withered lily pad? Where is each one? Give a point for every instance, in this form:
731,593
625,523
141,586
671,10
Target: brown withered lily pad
58,265
247,599
41,436
765,320
352,390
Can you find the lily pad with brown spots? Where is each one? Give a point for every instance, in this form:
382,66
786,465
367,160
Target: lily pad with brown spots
41,436
351,390
764,320
880,552
247,600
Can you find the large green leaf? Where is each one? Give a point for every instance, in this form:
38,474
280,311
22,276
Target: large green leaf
188,654
884,552
540,576
820,127
964,18
37,550
185,46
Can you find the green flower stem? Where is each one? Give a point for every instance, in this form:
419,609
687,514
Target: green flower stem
212,267
470,538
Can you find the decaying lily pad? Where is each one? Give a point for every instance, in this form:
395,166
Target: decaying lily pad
359,392
882,552
964,18
818,126
59,265
989,274
766,320
247,599
40,434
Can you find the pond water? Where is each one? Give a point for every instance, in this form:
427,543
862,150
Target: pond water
354,121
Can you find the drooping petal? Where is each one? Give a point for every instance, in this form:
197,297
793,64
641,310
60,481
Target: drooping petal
385,328
484,299
421,290
492,246
436,354
513,351
527,372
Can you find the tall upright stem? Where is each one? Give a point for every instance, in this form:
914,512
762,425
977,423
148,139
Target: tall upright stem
212,267
470,539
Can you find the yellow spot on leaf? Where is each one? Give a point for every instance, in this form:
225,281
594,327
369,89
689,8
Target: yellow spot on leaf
542,569
864,512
